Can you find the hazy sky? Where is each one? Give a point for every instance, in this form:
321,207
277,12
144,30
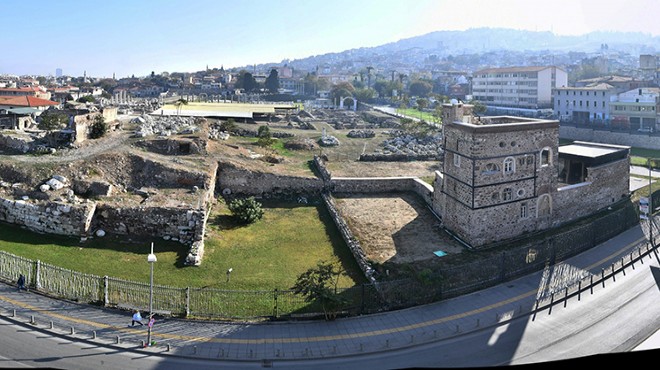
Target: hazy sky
128,37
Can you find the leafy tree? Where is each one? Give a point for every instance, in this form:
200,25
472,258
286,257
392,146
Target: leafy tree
341,90
479,107
246,210
246,81
86,99
273,81
319,284
228,125
53,121
437,114
422,103
264,135
364,94
420,88
98,128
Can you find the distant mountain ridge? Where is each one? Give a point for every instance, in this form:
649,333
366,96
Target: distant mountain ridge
483,40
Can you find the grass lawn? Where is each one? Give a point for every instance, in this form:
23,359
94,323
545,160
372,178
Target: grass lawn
415,113
268,254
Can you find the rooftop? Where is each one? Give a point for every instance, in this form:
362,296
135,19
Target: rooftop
515,69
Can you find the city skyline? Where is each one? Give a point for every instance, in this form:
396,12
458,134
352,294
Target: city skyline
125,38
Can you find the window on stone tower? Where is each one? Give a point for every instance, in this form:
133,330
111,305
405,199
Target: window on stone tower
507,194
523,210
509,165
457,160
544,205
545,157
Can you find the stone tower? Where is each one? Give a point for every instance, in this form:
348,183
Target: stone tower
499,175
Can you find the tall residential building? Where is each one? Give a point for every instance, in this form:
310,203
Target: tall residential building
58,72
527,88
588,104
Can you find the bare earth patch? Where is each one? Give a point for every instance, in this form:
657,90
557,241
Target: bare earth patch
396,227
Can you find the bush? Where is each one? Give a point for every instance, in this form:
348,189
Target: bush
98,128
246,210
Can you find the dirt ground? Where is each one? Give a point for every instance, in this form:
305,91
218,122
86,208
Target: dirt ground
396,228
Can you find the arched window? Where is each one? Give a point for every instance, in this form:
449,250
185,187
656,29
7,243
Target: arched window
544,205
546,157
491,168
509,165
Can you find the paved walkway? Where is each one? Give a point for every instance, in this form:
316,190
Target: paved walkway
303,339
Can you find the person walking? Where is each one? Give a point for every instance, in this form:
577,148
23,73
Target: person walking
137,318
21,283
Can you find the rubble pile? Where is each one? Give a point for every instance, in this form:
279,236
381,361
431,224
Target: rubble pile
164,125
405,144
361,134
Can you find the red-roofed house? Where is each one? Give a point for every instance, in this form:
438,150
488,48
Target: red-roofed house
13,102
35,91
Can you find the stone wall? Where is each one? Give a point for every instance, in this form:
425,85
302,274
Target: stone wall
169,223
50,217
641,140
234,180
383,185
14,143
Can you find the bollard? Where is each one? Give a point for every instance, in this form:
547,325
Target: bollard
73,331
118,340
361,347
591,284
142,344
13,313
565,297
613,274
168,347
477,323
94,334
52,325
194,350
602,276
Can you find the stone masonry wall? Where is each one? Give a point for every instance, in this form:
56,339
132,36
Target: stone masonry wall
51,217
172,223
383,185
608,137
245,182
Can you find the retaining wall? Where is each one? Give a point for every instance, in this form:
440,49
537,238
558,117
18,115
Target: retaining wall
50,217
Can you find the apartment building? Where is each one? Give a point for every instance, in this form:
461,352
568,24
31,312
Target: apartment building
582,105
518,87
636,109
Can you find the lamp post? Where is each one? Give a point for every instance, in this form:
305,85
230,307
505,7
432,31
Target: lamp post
151,258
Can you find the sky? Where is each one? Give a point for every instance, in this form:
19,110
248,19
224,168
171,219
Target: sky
135,37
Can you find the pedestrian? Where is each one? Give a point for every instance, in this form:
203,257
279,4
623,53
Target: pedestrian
137,318
21,283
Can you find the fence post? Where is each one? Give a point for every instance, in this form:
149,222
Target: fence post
362,300
187,301
37,282
106,299
502,270
275,313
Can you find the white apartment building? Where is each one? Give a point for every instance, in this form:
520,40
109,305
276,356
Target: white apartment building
636,109
518,87
588,104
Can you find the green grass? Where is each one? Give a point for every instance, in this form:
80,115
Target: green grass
415,113
268,254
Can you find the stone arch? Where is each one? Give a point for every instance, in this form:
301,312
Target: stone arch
508,165
544,205
343,98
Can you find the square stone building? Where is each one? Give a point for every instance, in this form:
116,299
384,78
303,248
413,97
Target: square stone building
504,176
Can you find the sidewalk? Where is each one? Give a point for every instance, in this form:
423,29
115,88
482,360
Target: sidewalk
301,339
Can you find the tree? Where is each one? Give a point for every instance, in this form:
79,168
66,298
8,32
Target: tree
246,210
364,95
246,81
265,138
422,103
228,126
179,103
319,284
50,121
341,90
98,128
273,81
478,107
420,88
86,99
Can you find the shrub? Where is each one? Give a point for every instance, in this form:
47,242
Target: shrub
98,128
246,210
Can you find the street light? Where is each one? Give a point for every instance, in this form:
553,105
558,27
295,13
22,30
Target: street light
151,258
